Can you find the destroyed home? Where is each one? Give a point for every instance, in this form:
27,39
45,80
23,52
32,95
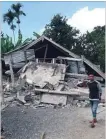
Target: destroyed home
44,49
53,72
45,88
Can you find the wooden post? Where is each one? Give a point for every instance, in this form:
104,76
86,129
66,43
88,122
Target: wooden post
35,53
37,60
82,57
12,74
1,83
60,61
45,53
53,61
11,59
25,55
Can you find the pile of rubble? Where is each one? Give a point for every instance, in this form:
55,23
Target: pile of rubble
44,85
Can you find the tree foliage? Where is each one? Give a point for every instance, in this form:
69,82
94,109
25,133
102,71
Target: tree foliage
92,46
61,32
36,35
6,43
9,19
18,12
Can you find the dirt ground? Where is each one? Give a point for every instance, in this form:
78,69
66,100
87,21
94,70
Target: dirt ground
65,123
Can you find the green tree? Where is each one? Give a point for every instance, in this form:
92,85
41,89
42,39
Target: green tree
26,41
36,35
18,12
9,19
6,43
80,45
61,32
92,46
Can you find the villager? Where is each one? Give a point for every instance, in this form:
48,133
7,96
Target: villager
95,93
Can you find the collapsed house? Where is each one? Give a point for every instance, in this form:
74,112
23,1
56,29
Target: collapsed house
52,70
44,49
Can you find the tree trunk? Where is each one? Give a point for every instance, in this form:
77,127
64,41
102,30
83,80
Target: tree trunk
14,36
13,32
19,27
18,23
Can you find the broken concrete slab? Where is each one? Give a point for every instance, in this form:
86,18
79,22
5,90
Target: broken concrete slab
49,86
9,99
53,99
41,73
60,87
70,100
20,98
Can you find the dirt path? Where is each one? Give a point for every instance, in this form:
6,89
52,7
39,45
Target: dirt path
65,123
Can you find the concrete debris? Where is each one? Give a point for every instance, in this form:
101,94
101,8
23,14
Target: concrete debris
43,136
20,98
9,99
6,87
28,98
53,99
42,73
70,100
60,87
42,85
49,86
58,106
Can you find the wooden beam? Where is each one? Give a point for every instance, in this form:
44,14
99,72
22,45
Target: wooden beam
35,54
25,55
36,60
45,53
11,59
39,48
1,83
85,76
12,74
53,60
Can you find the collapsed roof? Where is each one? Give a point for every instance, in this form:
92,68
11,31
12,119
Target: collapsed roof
45,47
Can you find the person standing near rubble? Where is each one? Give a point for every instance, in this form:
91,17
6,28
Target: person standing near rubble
95,92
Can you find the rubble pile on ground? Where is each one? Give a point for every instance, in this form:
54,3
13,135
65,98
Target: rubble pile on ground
44,85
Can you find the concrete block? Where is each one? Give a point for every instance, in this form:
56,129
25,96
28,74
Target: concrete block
54,99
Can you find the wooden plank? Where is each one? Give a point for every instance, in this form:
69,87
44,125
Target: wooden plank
25,55
11,59
39,48
45,53
77,75
35,53
12,74
1,82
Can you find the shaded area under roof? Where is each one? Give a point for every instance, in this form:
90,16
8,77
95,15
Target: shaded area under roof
53,50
